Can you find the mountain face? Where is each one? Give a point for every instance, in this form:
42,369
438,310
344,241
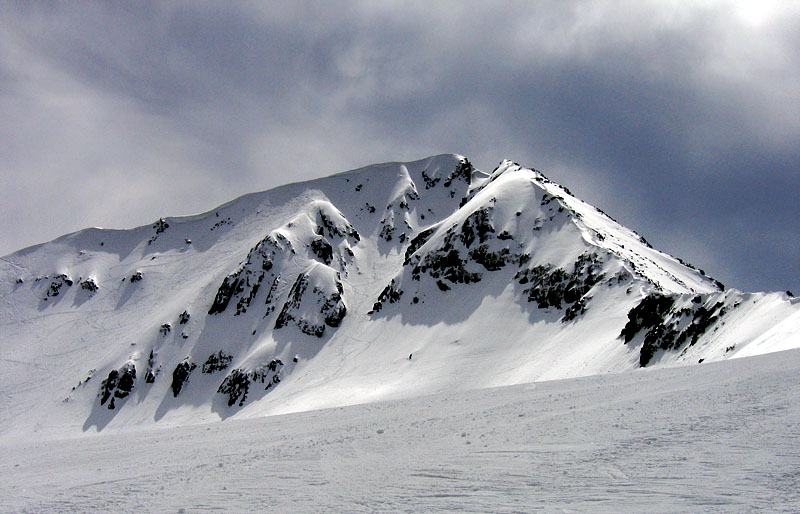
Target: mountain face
390,281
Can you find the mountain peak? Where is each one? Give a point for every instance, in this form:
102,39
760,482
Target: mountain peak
319,294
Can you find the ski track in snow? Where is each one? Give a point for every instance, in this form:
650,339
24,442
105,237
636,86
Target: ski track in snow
719,437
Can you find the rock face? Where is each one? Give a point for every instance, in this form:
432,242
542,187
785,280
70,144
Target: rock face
181,375
317,243
554,287
89,285
117,385
462,253
237,384
217,362
59,281
315,301
670,322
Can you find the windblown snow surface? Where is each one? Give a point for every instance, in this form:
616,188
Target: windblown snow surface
154,366
719,437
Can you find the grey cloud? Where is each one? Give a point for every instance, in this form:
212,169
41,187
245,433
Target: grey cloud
681,121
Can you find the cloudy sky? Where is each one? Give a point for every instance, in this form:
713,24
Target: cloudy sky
681,119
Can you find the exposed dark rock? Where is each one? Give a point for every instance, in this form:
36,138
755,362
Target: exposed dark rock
89,285
58,282
386,232
244,284
118,384
666,327
237,384
446,263
225,221
108,386
477,224
334,310
429,181
492,261
183,318
181,375
417,242
293,301
137,276
574,310
127,379
161,225
232,285
389,294
253,285
217,362
270,295
462,172
326,226
152,371
649,313
259,261
554,287
322,249
86,380
331,307
165,329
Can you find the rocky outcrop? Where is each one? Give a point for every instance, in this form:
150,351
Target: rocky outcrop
315,300
244,283
322,233
152,369
217,362
89,285
237,384
58,282
159,226
117,385
548,286
670,322
180,376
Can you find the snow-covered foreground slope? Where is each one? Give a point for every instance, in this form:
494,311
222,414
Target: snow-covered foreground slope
387,282
718,437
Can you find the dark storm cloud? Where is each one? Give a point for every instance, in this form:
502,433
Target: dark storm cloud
679,120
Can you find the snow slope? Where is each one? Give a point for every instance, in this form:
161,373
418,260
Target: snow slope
718,437
391,281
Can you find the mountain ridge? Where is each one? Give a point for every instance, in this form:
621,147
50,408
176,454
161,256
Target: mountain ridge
384,282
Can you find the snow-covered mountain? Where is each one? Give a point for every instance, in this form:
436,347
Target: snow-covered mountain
390,281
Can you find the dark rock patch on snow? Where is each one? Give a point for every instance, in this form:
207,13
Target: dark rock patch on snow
180,376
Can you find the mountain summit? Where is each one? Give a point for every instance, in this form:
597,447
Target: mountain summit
390,281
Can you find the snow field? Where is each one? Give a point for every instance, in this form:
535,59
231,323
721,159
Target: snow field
719,437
